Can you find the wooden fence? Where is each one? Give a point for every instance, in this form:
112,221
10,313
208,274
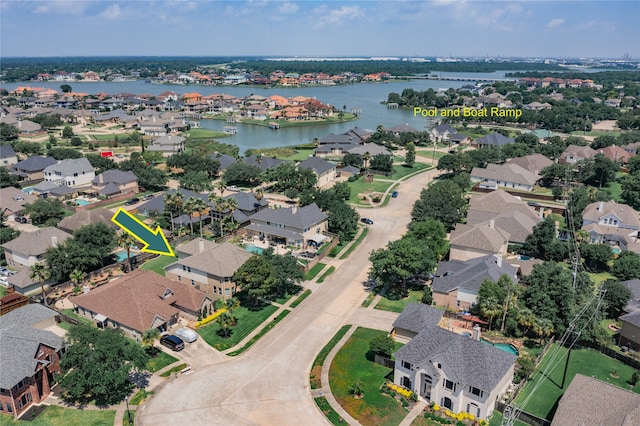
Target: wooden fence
325,251
523,416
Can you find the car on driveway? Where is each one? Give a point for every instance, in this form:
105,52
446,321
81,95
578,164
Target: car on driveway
187,334
132,202
172,342
366,220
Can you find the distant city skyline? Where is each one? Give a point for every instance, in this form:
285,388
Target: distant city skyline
443,28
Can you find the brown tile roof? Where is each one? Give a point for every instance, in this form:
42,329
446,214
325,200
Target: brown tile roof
480,237
588,401
196,246
626,214
87,217
533,163
137,298
220,261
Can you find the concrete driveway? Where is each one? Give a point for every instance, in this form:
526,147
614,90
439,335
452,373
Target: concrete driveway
269,384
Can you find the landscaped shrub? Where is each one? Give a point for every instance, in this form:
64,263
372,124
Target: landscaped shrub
210,318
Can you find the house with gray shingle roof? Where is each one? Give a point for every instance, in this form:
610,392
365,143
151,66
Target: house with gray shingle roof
458,373
414,318
29,355
32,168
87,217
8,156
14,200
508,175
325,171
473,241
442,132
112,182
211,270
167,145
612,223
492,140
456,283
295,226
70,172
630,330
28,249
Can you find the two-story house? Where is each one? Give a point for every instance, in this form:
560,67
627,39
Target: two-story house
70,172
29,355
295,226
14,201
612,223
575,153
167,145
113,182
28,249
211,270
459,373
32,168
325,171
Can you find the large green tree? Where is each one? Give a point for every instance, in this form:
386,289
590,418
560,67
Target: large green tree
543,236
97,364
596,256
286,271
7,179
242,174
256,278
626,266
615,298
443,201
45,211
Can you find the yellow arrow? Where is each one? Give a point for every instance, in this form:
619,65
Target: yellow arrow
154,241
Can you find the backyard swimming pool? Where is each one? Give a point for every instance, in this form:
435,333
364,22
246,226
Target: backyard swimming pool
28,189
81,202
253,249
121,256
507,347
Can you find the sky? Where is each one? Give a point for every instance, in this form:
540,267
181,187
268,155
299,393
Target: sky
456,28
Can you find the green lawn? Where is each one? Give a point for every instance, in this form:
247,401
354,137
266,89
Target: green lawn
326,274
311,274
206,133
160,361
600,277
616,191
351,364
356,243
430,154
261,333
247,321
390,302
300,154
173,370
81,319
300,298
496,420
59,416
126,417
331,414
360,186
584,361
157,265
402,171
316,368
139,397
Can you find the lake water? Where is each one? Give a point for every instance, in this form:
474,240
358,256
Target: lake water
366,96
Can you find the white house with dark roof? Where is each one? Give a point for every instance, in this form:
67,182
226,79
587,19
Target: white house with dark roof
459,373
70,172
508,175
456,283
442,132
295,226
325,171
167,145
612,223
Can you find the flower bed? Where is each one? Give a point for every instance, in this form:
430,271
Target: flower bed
446,417
210,318
406,397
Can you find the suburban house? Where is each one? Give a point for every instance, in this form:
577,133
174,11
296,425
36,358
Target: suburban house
29,355
167,145
534,163
510,214
630,330
211,270
247,205
70,172
414,318
141,300
27,250
156,205
263,162
492,140
459,373
575,153
13,201
295,226
612,223
114,182
347,172
402,128
195,246
633,304
582,403
473,241
456,283
324,170
8,156
371,149
508,175
616,153
32,168
442,133
87,217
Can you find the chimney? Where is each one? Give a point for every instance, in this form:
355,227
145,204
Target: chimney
85,289
492,224
54,241
600,206
294,209
541,213
499,261
201,246
475,334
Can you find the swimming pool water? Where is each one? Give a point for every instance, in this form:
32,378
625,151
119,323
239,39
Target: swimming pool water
253,249
121,256
82,202
506,347
28,189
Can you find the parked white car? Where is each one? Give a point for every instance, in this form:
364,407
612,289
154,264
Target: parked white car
186,334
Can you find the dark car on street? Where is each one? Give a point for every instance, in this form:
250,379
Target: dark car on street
366,220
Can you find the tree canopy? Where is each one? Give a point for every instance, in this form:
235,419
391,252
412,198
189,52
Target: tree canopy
443,201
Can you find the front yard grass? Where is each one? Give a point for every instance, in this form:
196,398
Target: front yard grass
584,361
429,154
316,368
157,265
160,361
59,416
401,171
359,187
248,320
326,273
328,411
261,333
173,370
353,363
140,396
311,273
392,301
356,243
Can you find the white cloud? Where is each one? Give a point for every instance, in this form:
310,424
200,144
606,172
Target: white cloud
288,8
112,12
556,22
61,7
336,16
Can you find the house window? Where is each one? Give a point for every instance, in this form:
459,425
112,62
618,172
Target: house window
447,403
476,392
439,365
226,291
193,283
406,365
449,385
9,409
188,268
215,289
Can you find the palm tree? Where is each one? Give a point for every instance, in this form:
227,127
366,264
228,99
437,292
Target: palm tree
221,186
40,272
490,308
148,339
77,275
190,207
224,321
231,305
218,206
526,319
173,204
544,329
259,194
200,207
125,241
366,157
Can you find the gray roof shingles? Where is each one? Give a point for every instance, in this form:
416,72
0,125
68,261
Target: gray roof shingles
300,218
469,274
418,316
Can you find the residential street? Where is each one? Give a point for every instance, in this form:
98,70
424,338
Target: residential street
269,384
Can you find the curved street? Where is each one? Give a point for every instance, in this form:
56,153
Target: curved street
269,384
